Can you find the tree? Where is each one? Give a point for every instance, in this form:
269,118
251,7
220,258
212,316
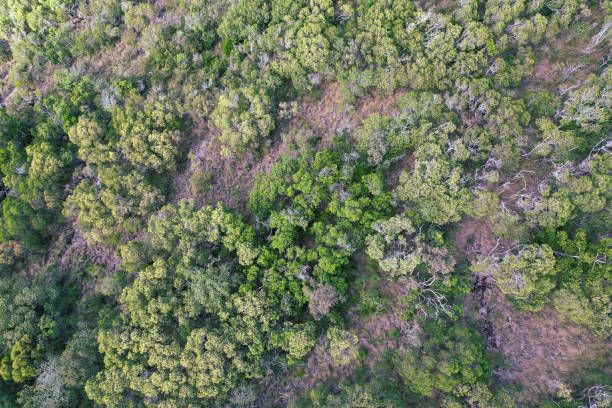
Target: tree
434,186
526,274
296,340
342,345
243,115
450,355
582,294
47,390
477,395
589,106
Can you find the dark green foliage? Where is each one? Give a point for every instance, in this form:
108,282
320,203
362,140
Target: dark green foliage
583,290
31,321
450,355
317,212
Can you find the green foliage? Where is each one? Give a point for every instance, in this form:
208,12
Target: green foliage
419,261
526,276
583,293
30,321
23,358
555,142
115,197
342,345
34,164
244,119
568,196
200,181
79,360
184,318
297,341
327,200
382,138
477,395
448,357
378,392
147,135
588,107
202,307
138,17
434,186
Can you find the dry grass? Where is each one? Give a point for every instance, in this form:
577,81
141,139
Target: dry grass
328,113
541,349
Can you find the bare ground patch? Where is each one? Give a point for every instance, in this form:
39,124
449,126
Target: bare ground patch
542,350
231,177
474,238
328,113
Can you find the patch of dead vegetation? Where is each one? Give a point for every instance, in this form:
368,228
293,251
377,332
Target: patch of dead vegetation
79,253
231,177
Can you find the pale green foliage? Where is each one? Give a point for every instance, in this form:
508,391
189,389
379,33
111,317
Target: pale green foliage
138,16
114,205
566,197
47,390
148,135
434,186
590,105
244,18
296,340
89,134
47,167
527,276
342,345
114,198
555,142
391,231
243,117
420,113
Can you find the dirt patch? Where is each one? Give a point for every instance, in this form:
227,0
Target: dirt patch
474,238
327,113
541,350
70,252
231,177
79,253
